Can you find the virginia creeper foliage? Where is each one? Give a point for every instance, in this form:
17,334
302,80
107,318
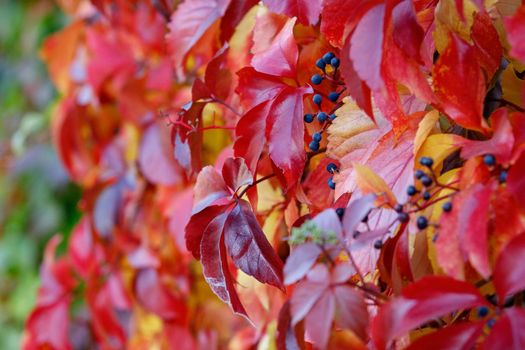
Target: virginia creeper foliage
340,173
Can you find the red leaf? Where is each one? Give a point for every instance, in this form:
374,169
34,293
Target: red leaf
234,14
318,322
339,18
249,132
282,117
351,312
255,88
236,174
355,212
500,144
82,248
356,88
197,225
462,336
189,23
215,266
515,27
321,297
407,33
301,259
420,302
106,326
285,133
456,65
287,338
209,188
516,180
307,12
48,323
407,71
48,327
156,297
156,160
249,248
509,274
218,77
366,48
112,58
187,144
314,186
463,232
278,57
487,43
507,333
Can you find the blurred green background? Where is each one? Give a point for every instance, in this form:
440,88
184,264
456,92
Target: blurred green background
37,199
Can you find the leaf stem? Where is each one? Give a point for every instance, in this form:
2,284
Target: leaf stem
264,178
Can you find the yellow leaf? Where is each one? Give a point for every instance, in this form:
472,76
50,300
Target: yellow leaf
351,130
438,147
425,127
369,182
437,210
449,20
512,86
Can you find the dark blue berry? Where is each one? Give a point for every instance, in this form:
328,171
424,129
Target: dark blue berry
335,62
331,183
447,207
483,311
314,146
321,117
403,217
398,208
309,117
378,244
317,136
320,64
491,322
426,195
489,159
317,99
426,161
327,57
422,222
419,174
340,212
332,116
503,176
333,96
331,168
426,181
316,79
411,190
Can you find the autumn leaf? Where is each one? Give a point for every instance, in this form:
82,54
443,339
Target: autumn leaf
515,29
455,64
223,225
422,301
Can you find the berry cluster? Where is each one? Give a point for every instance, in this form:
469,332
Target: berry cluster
421,199
331,75
332,169
490,161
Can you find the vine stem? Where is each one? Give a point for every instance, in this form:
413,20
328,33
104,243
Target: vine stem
216,127
264,178
426,205
225,104
354,264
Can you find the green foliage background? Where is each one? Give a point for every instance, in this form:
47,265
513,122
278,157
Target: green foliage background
37,199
